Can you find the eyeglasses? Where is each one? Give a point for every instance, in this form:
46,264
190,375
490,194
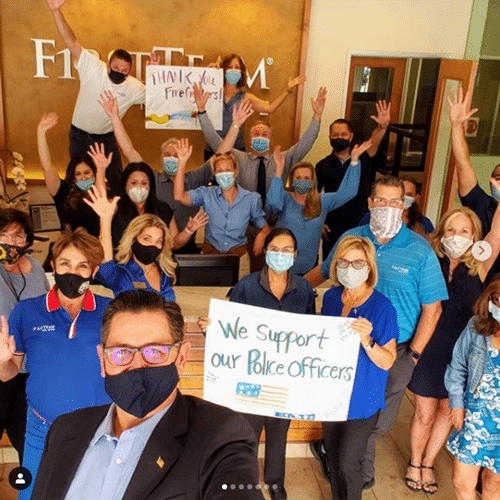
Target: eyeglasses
382,202
17,238
151,354
281,250
356,264
495,298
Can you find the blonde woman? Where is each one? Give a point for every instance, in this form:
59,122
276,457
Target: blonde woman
302,209
354,268
464,275
144,255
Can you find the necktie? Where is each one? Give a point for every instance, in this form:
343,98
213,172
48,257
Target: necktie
261,180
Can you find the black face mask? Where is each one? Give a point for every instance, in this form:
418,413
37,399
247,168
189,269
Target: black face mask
339,145
71,285
116,77
145,254
140,391
9,257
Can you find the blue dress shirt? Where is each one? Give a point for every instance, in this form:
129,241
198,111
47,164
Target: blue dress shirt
109,462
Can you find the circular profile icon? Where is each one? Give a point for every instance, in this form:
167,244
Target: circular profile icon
481,250
20,478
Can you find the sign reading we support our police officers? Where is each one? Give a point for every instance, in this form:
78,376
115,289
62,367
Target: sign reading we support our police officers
170,102
273,363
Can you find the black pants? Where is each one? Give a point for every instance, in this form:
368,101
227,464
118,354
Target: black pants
345,444
13,411
79,144
275,457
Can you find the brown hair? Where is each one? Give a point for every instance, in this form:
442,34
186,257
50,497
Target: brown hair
87,244
312,207
357,243
225,65
388,180
485,323
135,301
435,238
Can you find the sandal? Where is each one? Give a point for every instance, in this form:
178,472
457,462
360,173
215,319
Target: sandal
429,484
412,483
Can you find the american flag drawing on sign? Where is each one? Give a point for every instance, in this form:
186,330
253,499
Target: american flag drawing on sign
263,395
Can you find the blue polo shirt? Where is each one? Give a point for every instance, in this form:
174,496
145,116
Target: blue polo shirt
368,390
61,355
409,274
121,277
227,224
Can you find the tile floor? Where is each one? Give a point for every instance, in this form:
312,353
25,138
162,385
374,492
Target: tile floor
304,480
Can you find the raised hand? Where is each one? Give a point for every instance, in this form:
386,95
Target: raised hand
97,153
184,151
7,343
203,324
383,117
363,328
199,220
460,110
154,59
279,160
55,4
242,112
457,416
200,96
48,121
359,149
295,82
109,104
99,202
318,104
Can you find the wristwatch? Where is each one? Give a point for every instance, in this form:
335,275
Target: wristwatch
415,355
370,344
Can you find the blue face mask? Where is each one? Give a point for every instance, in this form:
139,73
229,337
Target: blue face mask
170,165
302,186
85,185
279,262
260,144
233,76
225,180
494,310
495,193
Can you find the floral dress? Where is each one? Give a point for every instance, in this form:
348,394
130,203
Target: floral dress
478,442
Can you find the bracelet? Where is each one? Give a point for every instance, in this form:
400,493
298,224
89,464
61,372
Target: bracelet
202,112
186,229
370,344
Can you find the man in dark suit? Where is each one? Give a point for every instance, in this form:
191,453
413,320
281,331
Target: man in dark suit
152,443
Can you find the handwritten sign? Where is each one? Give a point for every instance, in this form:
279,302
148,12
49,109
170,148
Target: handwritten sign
170,102
273,363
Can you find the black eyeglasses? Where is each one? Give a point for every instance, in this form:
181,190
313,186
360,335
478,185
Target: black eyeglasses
152,354
356,264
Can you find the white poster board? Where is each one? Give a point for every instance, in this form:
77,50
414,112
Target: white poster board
285,365
170,102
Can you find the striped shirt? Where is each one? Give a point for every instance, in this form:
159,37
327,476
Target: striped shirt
409,275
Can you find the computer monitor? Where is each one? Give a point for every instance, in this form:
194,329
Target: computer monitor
207,270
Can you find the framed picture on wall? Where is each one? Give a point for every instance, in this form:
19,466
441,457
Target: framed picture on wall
45,217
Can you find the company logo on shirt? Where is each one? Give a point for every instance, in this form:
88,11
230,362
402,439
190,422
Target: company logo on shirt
44,328
400,269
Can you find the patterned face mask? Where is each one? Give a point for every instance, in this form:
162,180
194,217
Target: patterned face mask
494,310
455,246
409,200
170,165
302,186
385,222
85,185
260,144
225,180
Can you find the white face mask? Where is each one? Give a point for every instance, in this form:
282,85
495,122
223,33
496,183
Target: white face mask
350,277
138,194
385,222
455,246
494,310
409,200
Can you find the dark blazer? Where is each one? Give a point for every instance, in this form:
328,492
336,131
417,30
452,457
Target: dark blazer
202,447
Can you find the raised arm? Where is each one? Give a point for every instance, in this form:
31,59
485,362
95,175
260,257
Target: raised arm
262,106
493,238
383,118
64,29
105,209
110,106
211,136
240,115
101,162
460,112
184,151
52,180
275,198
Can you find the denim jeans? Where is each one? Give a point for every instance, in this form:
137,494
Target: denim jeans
36,432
